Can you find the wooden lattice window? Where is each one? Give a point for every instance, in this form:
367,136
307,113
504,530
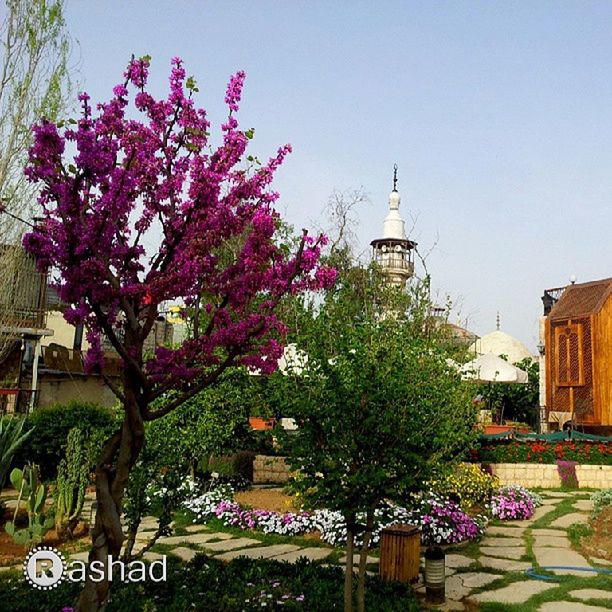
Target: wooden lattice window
570,355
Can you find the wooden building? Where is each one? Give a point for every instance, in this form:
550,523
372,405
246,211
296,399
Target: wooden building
578,353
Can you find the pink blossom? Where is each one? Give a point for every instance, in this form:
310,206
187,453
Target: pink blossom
137,164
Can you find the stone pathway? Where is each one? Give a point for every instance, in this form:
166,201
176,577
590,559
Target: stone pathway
221,545
504,549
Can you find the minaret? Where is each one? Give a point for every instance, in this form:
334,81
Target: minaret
393,252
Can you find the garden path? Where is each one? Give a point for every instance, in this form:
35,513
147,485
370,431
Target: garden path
490,572
493,572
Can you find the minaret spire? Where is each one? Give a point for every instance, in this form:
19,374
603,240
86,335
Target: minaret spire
393,252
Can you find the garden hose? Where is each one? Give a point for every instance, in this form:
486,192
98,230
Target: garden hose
533,573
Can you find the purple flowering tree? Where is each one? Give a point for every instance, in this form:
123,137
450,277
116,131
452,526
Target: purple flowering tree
139,208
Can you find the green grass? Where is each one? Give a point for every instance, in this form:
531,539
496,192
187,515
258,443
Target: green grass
576,532
528,556
470,549
565,506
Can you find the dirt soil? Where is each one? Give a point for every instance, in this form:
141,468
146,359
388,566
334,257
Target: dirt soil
599,544
266,499
13,554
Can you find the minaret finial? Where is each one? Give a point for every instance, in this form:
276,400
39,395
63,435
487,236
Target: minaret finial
394,177
498,325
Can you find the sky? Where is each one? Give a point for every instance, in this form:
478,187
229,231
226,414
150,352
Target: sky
498,115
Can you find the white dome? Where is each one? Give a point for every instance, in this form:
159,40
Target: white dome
501,343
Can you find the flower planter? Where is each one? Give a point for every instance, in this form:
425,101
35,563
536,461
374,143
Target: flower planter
497,429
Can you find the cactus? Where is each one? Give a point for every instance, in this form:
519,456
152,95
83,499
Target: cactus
72,478
33,494
11,438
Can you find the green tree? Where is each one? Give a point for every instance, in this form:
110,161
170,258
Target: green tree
35,82
377,407
518,402
213,422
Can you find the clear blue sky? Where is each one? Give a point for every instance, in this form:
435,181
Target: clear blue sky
499,115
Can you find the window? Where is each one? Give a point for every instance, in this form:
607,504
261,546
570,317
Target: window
570,358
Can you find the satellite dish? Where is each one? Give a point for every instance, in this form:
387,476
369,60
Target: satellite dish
383,248
398,248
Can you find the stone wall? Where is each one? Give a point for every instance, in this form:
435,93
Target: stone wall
546,475
267,469
274,470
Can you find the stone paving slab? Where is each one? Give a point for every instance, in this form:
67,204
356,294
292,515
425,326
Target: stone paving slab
312,554
559,494
147,527
591,594
455,589
233,544
456,561
601,561
510,552
196,538
144,536
568,606
474,580
540,512
515,593
152,556
569,519
81,556
196,528
585,505
258,552
148,523
184,553
502,542
558,541
369,559
505,531
560,556
506,565
547,532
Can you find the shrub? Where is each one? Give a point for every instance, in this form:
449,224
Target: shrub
470,483
567,473
600,500
47,443
512,503
210,584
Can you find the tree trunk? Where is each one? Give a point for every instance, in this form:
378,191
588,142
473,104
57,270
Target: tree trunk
348,576
129,545
112,472
363,558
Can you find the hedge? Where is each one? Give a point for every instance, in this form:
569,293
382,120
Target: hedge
47,443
